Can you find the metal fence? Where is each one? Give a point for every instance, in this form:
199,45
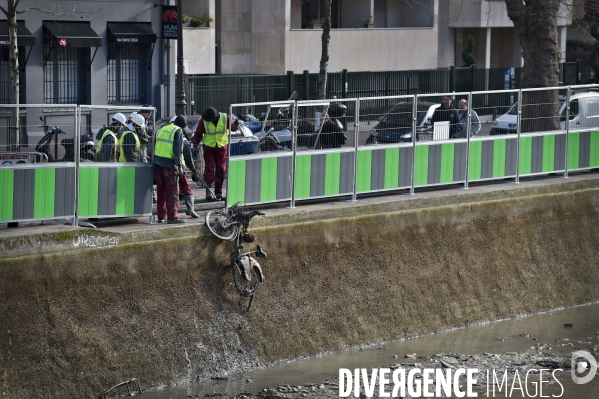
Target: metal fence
220,91
406,147
51,175
292,151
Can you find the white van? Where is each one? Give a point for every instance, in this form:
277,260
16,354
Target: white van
584,111
584,114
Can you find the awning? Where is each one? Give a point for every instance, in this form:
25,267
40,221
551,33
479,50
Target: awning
131,32
74,34
24,36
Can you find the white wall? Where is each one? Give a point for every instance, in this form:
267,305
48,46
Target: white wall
198,50
363,50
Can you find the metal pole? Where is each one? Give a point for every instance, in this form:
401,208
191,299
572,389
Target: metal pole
567,123
468,128
518,132
180,87
354,196
414,138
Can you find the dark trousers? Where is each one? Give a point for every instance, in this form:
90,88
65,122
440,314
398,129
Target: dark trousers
167,193
215,167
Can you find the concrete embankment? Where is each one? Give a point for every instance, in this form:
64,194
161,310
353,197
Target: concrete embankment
158,304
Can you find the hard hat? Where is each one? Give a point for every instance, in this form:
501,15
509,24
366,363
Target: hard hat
132,113
118,117
138,120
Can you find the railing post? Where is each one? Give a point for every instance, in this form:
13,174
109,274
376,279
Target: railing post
518,128
306,85
567,123
468,128
76,153
452,78
354,196
290,82
344,83
414,138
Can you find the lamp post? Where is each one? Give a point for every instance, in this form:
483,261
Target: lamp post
179,84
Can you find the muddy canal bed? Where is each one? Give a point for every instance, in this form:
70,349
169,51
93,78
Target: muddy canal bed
526,352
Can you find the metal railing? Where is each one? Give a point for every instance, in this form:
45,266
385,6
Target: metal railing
318,149
536,131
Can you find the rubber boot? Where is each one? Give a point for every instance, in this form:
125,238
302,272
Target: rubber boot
189,202
209,194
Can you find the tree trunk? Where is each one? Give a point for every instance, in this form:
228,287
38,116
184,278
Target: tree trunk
535,23
13,126
324,57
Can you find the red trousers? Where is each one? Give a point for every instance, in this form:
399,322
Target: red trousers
184,185
167,193
215,167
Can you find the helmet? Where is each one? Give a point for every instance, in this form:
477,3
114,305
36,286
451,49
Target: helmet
210,114
118,117
337,110
180,121
132,113
138,120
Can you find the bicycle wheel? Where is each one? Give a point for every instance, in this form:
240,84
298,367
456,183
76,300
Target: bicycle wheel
220,224
245,286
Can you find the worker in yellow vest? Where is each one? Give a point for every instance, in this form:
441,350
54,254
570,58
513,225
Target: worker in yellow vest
168,150
129,145
213,128
108,144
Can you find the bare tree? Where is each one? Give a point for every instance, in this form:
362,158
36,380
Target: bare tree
11,12
324,57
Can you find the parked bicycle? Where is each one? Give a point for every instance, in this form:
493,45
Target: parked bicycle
233,224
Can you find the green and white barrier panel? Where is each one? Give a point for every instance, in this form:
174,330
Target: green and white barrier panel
439,163
384,168
37,192
115,189
493,158
583,150
542,154
259,180
324,174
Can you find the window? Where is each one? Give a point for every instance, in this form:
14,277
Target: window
127,73
65,71
4,76
314,10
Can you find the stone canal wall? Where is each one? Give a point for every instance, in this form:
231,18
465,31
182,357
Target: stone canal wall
160,306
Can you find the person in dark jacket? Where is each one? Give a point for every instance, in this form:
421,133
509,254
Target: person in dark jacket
108,144
446,113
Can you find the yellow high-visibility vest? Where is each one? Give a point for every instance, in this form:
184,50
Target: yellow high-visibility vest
164,141
216,135
122,147
107,133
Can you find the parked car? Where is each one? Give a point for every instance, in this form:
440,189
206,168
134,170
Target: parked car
506,123
241,142
396,125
